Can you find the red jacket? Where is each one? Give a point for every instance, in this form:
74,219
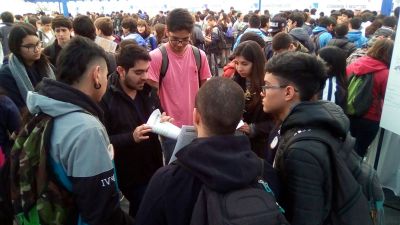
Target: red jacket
380,70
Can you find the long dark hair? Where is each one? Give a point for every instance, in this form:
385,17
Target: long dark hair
17,34
252,52
336,60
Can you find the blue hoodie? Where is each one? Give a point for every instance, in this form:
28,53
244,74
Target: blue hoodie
324,38
357,38
80,155
255,30
136,37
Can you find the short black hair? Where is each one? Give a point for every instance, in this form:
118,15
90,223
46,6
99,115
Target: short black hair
45,20
252,36
390,21
313,11
7,17
83,26
298,18
246,18
254,21
326,21
355,23
281,41
349,13
341,30
264,20
180,19
75,57
61,21
18,17
220,103
129,54
304,71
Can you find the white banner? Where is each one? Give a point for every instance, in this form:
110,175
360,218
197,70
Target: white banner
391,107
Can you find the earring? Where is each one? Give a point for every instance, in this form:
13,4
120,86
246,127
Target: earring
97,86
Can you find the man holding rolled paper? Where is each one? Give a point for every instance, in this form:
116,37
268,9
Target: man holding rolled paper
127,106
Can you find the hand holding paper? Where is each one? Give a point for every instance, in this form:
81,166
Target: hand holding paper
139,134
166,129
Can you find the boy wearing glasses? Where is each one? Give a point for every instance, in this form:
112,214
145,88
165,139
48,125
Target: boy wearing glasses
178,88
293,82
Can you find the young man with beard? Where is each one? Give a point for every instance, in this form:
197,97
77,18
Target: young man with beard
127,105
292,83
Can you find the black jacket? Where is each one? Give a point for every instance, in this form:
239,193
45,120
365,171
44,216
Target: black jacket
262,123
9,85
9,122
304,168
221,162
135,162
344,44
52,52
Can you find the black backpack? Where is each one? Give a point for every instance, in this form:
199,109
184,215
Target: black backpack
253,205
315,40
165,63
357,193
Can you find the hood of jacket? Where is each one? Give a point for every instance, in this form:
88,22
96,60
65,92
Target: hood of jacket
354,35
257,31
319,29
317,114
365,65
300,34
55,99
222,162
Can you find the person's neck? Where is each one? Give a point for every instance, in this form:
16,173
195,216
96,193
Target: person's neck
285,112
29,62
111,38
131,93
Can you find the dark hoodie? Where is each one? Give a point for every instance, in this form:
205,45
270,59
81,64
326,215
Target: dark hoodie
365,65
222,163
344,44
304,167
301,35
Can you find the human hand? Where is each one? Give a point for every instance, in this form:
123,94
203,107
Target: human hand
245,128
139,134
165,118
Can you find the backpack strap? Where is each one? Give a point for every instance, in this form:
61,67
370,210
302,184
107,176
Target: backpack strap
165,62
197,57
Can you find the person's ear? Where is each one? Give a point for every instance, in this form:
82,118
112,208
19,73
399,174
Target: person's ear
95,74
290,93
121,72
196,117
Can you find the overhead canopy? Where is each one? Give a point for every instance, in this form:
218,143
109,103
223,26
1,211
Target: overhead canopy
63,2
386,6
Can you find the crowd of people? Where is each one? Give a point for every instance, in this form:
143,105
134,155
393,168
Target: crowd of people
98,78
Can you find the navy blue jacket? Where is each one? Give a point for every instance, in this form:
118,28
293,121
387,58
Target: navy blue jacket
221,162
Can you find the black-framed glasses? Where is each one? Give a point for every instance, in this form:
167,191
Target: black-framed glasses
266,87
182,41
33,47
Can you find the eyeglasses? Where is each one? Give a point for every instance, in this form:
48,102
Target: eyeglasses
182,41
33,47
266,87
